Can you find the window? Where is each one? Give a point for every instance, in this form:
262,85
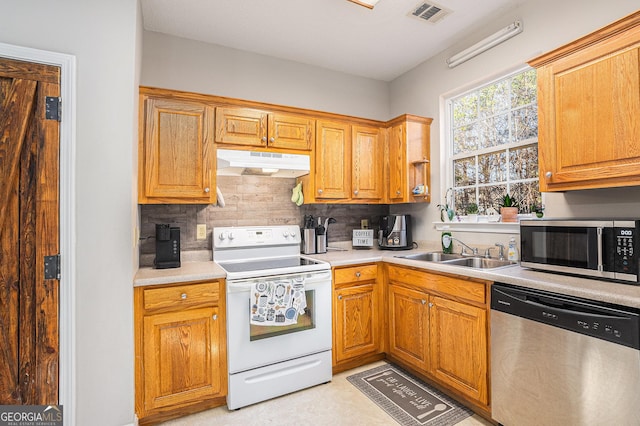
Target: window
494,144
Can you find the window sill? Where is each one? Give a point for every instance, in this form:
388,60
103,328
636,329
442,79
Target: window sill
482,227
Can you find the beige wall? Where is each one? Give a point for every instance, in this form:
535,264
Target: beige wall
547,24
102,36
177,63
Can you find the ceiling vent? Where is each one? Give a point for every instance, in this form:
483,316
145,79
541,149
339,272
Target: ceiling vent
430,12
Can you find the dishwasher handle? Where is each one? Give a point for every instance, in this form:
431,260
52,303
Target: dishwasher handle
614,323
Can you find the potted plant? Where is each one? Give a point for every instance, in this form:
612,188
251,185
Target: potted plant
446,212
472,212
509,209
538,209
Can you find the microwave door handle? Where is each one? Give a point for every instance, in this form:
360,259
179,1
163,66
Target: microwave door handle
599,232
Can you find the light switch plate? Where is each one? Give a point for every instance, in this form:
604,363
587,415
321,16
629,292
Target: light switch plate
201,232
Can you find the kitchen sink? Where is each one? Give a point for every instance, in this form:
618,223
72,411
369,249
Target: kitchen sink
435,256
480,262
458,260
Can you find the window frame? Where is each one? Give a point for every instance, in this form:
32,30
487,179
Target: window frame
447,154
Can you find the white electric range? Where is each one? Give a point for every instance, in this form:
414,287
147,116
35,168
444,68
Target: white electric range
266,360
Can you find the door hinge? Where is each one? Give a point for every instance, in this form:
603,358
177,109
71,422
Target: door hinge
52,267
53,108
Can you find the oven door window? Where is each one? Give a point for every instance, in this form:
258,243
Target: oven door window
560,245
305,322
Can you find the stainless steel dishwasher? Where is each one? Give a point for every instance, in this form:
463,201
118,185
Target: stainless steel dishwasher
560,360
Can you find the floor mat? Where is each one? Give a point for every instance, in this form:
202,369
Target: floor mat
407,399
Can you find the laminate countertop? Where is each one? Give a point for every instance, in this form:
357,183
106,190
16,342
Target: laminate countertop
604,291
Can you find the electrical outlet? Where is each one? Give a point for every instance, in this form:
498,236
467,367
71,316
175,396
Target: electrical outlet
201,232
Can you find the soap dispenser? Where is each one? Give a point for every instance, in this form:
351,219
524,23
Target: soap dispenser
447,246
512,251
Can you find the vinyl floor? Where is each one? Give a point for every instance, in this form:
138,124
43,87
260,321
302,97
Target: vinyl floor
336,403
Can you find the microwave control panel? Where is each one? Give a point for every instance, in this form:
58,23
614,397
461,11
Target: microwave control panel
626,258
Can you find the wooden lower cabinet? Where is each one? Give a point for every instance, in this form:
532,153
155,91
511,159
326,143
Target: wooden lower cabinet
458,355
357,322
180,349
409,326
438,327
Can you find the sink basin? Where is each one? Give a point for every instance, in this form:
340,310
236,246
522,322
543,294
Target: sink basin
434,256
480,262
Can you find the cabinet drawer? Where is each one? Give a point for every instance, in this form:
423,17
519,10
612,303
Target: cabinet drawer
355,274
182,296
456,287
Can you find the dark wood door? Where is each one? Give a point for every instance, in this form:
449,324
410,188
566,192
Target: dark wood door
29,231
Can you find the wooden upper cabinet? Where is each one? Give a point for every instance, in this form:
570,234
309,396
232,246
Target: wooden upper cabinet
252,127
241,126
333,160
588,109
176,152
288,131
366,162
408,153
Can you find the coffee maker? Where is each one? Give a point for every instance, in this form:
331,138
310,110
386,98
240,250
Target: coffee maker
167,247
395,232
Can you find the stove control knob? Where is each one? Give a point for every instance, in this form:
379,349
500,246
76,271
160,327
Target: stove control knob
285,233
222,236
293,234
230,236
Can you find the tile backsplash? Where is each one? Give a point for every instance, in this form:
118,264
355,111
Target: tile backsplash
249,201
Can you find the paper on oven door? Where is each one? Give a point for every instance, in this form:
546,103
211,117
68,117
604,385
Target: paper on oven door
277,302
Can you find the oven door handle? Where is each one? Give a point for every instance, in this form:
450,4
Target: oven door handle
600,248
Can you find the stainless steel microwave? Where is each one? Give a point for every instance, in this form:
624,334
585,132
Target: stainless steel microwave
605,249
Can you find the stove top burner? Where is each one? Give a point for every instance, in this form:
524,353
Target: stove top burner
267,264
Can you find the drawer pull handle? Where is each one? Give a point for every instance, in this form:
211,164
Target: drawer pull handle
183,296
431,305
340,297
358,274
548,175
215,317
423,301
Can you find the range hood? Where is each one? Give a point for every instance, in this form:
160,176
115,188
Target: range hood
233,162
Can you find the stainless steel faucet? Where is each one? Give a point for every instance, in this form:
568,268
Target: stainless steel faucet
501,254
474,251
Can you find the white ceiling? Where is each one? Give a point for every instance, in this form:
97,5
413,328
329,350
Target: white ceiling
382,43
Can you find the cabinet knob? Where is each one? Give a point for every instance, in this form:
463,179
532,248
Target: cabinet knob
548,175
207,190
423,301
183,296
431,305
355,192
319,191
264,139
215,317
272,139
340,297
358,274
397,192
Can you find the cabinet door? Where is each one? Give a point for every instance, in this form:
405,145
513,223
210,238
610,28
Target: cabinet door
367,165
356,322
291,132
589,104
459,347
333,160
397,163
183,360
241,126
176,163
409,326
